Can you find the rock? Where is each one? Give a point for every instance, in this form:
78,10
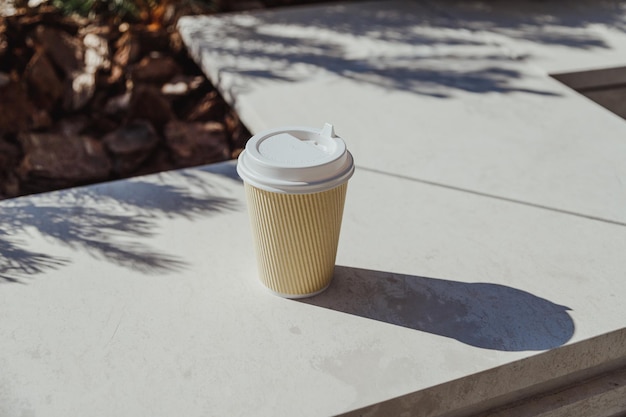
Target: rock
22,22
4,79
40,119
158,161
15,107
9,155
211,107
118,104
197,143
169,14
4,43
9,186
182,85
115,77
96,53
155,69
131,145
79,89
177,45
35,3
72,126
66,51
127,50
147,103
46,87
56,161
20,57
85,106
151,40
238,133
52,16
87,58
7,8
101,123
9,159
184,92
105,31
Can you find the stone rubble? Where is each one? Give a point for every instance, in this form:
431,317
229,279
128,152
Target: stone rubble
86,101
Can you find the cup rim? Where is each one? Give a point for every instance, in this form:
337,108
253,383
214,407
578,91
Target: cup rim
297,177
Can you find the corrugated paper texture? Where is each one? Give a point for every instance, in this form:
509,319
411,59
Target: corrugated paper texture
296,238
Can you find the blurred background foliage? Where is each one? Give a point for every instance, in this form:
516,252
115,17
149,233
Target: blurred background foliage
150,11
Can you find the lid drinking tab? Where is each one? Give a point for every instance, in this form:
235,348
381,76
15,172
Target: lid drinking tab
328,131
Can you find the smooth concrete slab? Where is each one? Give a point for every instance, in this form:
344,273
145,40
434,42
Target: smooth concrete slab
557,36
140,297
416,93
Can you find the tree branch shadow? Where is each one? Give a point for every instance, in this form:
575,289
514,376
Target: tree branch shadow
108,221
395,48
485,315
17,262
546,22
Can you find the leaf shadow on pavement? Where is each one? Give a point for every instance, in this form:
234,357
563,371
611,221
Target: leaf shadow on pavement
549,22
109,221
407,47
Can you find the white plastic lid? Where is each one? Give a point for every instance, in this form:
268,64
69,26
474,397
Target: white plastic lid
296,160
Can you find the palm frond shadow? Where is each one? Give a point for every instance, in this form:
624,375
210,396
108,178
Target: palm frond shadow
394,49
107,221
545,22
17,262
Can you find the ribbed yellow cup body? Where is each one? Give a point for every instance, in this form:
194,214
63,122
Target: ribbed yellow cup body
296,237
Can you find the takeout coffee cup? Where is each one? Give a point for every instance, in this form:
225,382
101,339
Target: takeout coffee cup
295,180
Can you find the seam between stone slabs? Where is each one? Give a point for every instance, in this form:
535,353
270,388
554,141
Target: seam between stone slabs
493,196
